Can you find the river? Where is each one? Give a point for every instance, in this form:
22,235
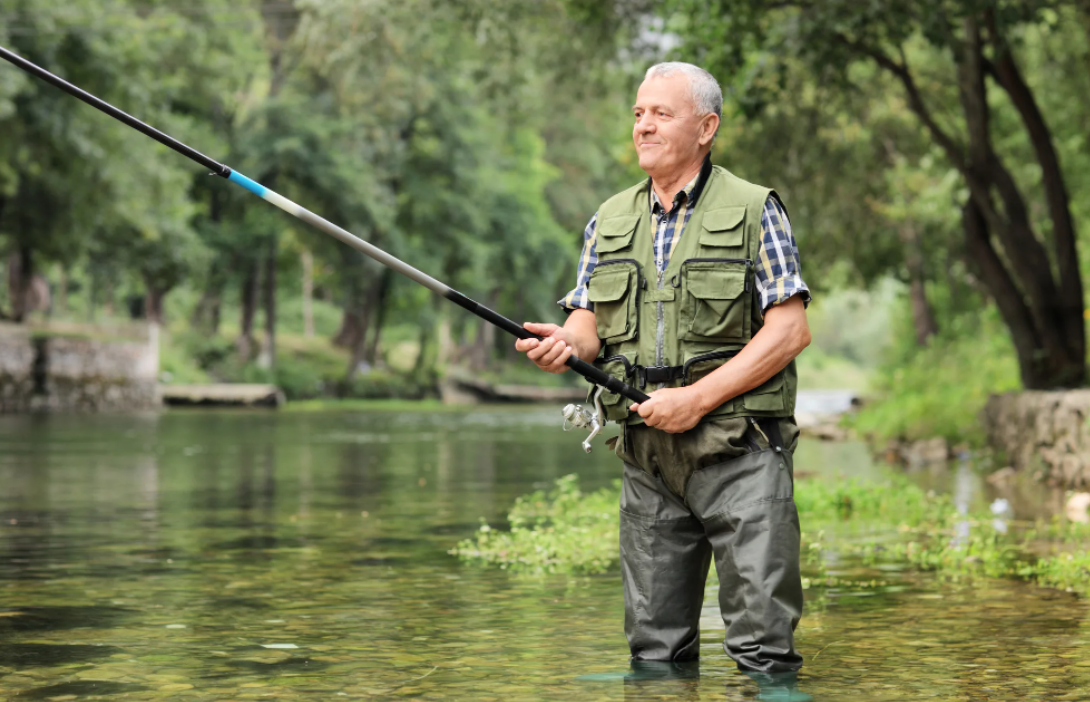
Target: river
233,555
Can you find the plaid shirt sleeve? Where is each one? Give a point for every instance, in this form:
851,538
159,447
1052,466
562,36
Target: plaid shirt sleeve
778,270
577,298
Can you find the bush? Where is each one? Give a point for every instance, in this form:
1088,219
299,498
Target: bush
941,389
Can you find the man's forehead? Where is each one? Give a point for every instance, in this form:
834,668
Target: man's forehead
670,90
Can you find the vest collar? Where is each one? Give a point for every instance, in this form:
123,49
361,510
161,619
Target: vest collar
693,195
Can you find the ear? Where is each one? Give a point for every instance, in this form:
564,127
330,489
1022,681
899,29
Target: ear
708,125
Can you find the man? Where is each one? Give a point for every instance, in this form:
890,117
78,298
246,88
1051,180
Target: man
689,287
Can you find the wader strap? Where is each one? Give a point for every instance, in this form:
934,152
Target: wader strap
771,427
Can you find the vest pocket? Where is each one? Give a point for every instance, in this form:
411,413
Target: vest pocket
715,300
722,227
613,287
615,233
620,367
766,397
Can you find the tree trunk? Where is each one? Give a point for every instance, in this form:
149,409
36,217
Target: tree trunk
268,351
385,284
245,342
206,315
359,345
20,275
923,316
308,293
62,292
1051,363
153,304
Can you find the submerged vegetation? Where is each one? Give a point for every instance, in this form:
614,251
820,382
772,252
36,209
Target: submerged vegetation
894,520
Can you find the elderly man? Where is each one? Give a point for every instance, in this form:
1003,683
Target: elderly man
689,287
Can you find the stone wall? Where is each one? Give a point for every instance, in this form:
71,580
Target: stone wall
1043,432
51,370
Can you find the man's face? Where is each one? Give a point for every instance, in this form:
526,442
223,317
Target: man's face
667,133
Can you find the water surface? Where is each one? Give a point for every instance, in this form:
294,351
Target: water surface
214,555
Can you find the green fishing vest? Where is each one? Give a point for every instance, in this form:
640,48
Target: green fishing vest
672,330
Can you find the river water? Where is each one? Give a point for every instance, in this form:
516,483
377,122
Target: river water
215,555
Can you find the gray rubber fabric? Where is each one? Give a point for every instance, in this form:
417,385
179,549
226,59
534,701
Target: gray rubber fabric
733,501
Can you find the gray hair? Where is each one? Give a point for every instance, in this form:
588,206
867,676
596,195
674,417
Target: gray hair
707,96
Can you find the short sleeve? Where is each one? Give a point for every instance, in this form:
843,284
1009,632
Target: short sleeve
779,272
588,259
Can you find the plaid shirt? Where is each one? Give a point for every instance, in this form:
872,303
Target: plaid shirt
777,265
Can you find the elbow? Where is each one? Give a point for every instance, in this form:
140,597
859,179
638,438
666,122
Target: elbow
803,339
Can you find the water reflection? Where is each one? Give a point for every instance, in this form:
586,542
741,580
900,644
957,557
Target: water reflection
211,555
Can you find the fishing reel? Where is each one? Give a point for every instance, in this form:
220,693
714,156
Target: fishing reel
576,416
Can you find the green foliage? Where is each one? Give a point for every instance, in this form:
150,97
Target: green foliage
940,390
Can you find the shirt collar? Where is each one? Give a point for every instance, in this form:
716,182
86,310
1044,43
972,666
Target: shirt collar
690,193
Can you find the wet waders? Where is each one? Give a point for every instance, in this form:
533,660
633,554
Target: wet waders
737,507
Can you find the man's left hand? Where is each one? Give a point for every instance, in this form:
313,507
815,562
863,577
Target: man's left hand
672,410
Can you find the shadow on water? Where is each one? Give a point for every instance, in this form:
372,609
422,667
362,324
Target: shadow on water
34,655
261,542
380,561
280,667
58,618
82,689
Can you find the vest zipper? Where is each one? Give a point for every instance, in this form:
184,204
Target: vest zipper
661,326
706,357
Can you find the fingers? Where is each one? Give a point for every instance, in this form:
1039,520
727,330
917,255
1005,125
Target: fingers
548,354
540,328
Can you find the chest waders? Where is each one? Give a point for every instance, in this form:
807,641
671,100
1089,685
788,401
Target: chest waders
724,489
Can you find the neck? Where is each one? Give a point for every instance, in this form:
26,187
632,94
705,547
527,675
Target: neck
668,186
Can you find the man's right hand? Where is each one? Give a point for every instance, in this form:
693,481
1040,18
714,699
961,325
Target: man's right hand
550,353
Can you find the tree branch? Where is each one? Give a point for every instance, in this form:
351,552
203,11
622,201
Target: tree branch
915,99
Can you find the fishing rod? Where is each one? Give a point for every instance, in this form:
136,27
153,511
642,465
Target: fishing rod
577,416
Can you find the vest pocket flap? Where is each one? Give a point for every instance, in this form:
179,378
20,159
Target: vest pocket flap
716,285
615,233
721,227
773,384
608,287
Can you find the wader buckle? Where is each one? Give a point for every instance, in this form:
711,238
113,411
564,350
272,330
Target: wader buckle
653,375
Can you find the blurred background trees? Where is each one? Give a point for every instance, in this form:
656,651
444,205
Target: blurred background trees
933,156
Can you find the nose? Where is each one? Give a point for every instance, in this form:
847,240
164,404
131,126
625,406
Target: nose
645,125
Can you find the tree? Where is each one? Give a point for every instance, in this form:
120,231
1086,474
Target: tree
969,50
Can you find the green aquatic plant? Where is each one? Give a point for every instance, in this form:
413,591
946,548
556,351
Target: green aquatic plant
567,530
562,529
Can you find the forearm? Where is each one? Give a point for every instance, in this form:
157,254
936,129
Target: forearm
583,333
782,338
